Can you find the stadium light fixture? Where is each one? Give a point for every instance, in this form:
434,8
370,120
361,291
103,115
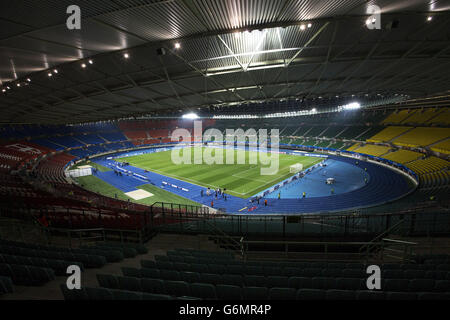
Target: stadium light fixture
49,74
3,90
126,55
190,116
177,45
352,106
429,18
55,70
302,27
28,79
18,84
83,65
90,61
309,25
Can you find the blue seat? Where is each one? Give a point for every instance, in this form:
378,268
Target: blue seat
181,266
71,295
254,270
153,296
272,271
291,272
131,272
236,269
332,273
99,294
217,268
413,274
200,268
228,292
441,286
164,265
354,273
392,274
311,272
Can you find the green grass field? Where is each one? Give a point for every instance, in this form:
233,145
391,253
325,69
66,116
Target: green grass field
97,185
241,180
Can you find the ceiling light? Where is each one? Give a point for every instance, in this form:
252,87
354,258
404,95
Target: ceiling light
302,27
91,62
429,18
83,65
177,45
191,116
126,55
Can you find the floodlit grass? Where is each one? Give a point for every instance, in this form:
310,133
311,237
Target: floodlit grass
241,180
97,185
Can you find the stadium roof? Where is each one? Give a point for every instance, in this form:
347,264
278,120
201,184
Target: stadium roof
229,51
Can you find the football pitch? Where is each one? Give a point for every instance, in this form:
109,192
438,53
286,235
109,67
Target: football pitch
240,180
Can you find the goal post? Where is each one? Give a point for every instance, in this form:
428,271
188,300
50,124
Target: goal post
295,168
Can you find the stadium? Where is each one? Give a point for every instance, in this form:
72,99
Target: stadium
194,150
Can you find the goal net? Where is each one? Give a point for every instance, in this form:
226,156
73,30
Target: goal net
295,168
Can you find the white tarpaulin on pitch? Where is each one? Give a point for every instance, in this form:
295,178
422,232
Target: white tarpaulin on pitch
139,194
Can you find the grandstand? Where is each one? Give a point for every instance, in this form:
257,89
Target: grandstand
108,163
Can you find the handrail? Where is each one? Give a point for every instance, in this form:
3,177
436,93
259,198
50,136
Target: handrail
400,241
380,236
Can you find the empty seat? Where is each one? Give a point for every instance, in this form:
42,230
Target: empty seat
200,268
330,272
108,281
272,271
291,271
392,274
153,286
255,281
148,264
236,269
190,276
254,270
430,296
391,266
323,283
150,273
340,295
153,296
353,273
181,266
350,283
203,290
170,275
131,272
395,285
310,294
441,286
126,295
211,278
311,272
424,285
282,294
300,283
370,295
255,293
233,279
413,274
164,265
217,268
129,283
161,258
277,281
228,292
177,288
